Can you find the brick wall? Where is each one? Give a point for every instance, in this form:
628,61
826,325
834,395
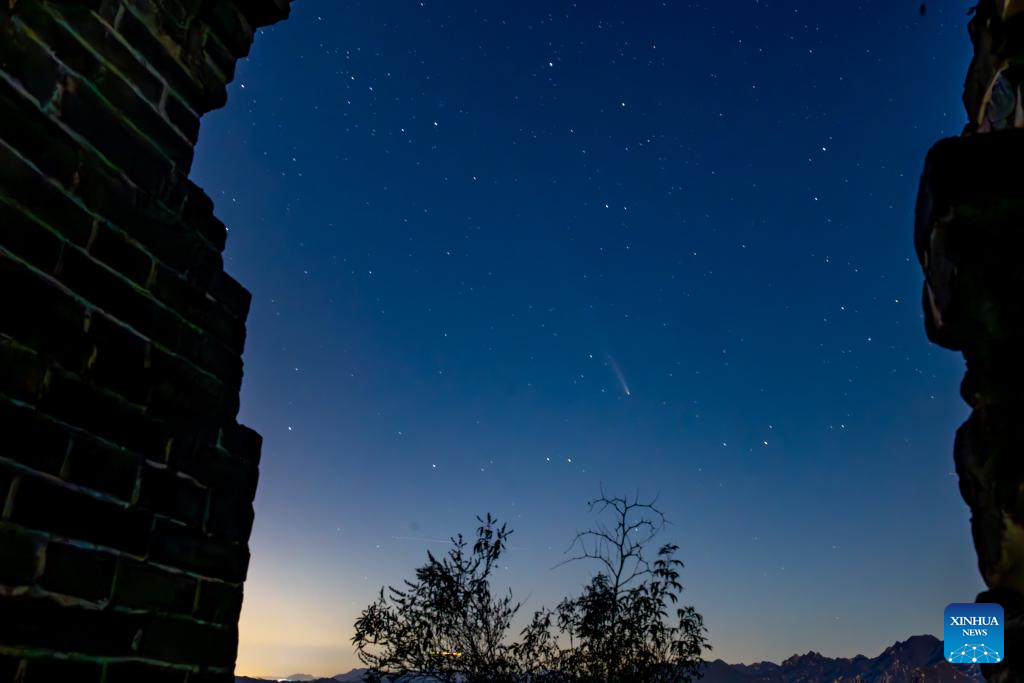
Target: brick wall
969,240
126,484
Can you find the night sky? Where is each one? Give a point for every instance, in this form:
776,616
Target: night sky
502,253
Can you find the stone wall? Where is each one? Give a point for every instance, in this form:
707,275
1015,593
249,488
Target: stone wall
970,240
126,484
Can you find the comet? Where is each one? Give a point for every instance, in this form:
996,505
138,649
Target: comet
619,376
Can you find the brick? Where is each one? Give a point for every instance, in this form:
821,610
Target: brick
170,287
138,35
190,442
28,239
79,572
198,211
145,118
29,62
42,197
119,359
218,469
190,345
34,622
68,51
187,642
107,192
94,32
102,467
207,261
108,291
214,231
231,516
182,117
116,249
22,371
21,552
143,218
181,391
242,442
164,492
187,549
39,138
198,203
265,12
46,506
56,670
79,404
173,197
219,603
58,334
87,112
136,672
232,295
214,81
231,27
220,57
143,586
215,357
31,440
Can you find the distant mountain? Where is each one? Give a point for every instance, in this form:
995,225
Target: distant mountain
305,678
917,659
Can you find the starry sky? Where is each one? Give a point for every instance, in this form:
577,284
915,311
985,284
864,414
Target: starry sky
504,253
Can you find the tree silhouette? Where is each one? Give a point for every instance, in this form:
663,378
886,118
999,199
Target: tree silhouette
619,629
445,625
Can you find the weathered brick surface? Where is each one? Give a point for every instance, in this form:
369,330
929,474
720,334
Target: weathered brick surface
126,485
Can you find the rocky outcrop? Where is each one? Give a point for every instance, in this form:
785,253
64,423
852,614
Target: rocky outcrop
969,237
126,484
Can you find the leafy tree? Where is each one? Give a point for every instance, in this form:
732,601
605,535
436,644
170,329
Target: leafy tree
445,625
625,627
619,629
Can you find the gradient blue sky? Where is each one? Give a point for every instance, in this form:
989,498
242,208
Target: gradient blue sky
457,218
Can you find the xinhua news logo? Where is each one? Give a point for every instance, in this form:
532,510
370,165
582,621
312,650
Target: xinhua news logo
973,633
